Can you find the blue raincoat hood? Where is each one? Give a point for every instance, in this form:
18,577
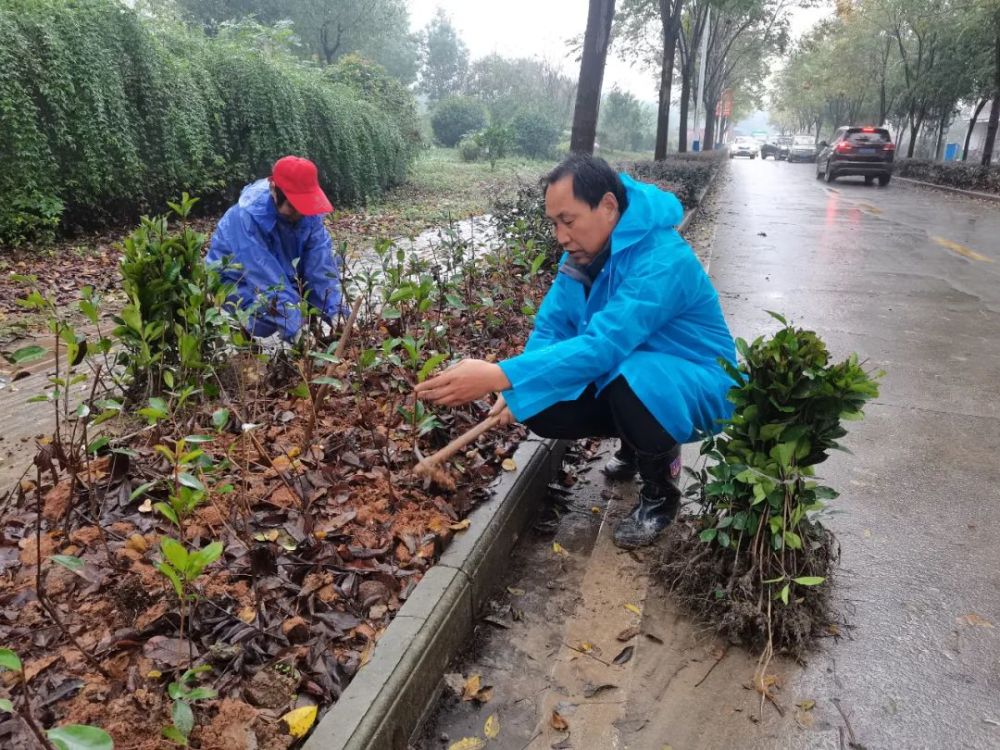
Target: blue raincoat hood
652,316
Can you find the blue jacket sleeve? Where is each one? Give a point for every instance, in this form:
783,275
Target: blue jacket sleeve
261,276
656,287
322,271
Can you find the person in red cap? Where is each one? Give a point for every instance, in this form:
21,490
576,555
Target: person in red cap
273,246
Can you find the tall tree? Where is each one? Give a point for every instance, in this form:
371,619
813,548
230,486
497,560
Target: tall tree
506,85
991,129
329,29
670,22
689,41
592,61
444,58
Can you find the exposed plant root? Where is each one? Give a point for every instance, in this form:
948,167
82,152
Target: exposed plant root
725,590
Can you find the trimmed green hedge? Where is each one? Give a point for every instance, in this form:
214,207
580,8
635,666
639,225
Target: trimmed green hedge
957,174
104,117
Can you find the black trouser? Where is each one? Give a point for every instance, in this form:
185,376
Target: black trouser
616,412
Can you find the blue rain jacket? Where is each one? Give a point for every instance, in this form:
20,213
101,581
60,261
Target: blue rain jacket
273,254
652,316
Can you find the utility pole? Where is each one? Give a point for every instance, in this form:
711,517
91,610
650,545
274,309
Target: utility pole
701,75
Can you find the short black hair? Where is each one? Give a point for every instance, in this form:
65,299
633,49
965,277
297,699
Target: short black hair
279,196
592,179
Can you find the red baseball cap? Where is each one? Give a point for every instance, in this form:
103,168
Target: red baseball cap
298,179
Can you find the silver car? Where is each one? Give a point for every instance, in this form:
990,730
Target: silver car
802,148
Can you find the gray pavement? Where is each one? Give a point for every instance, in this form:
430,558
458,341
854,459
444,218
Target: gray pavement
910,279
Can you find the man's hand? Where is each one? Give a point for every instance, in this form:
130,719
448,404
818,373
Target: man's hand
501,409
463,382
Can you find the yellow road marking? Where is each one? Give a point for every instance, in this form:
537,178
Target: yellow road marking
966,252
869,207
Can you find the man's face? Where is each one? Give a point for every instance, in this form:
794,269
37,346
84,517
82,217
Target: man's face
285,210
581,230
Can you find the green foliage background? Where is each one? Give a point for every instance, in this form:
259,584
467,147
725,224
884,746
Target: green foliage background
104,114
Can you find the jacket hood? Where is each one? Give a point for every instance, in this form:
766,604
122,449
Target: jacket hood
255,199
649,210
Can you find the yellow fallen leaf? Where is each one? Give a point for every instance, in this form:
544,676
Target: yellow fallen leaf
471,688
595,510
509,464
559,549
492,727
137,542
973,619
154,674
868,534
294,452
461,525
515,591
633,609
300,720
485,695
366,654
147,506
806,705
468,743
585,646
248,614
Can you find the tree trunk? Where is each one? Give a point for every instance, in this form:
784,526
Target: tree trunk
682,132
670,18
588,92
972,126
940,135
991,129
709,142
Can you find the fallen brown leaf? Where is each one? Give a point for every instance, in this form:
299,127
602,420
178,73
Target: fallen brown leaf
628,633
558,722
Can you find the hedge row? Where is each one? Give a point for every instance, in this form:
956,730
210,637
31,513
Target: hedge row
104,116
684,175
957,174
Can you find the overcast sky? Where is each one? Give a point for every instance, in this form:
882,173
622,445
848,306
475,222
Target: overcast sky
540,28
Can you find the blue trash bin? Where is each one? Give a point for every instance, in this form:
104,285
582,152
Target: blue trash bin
951,152
696,145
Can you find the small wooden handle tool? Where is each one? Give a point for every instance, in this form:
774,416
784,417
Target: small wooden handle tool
430,466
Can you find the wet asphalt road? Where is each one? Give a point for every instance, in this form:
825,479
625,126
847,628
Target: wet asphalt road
909,278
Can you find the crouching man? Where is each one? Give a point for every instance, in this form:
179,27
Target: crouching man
626,343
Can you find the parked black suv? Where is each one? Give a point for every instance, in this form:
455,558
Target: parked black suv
857,151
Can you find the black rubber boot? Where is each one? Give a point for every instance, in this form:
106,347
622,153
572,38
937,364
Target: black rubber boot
658,503
622,465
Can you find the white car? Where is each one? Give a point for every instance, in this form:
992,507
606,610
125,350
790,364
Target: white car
743,147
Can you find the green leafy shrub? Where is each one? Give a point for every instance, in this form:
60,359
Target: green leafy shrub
172,327
469,148
761,503
683,175
535,133
375,85
957,174
455,117
104,114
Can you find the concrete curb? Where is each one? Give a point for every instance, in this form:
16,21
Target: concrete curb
947,188
385,702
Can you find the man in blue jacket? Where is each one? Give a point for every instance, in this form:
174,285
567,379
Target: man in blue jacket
272,244
626,342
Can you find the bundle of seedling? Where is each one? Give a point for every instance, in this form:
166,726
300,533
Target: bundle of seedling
208,546
755,560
